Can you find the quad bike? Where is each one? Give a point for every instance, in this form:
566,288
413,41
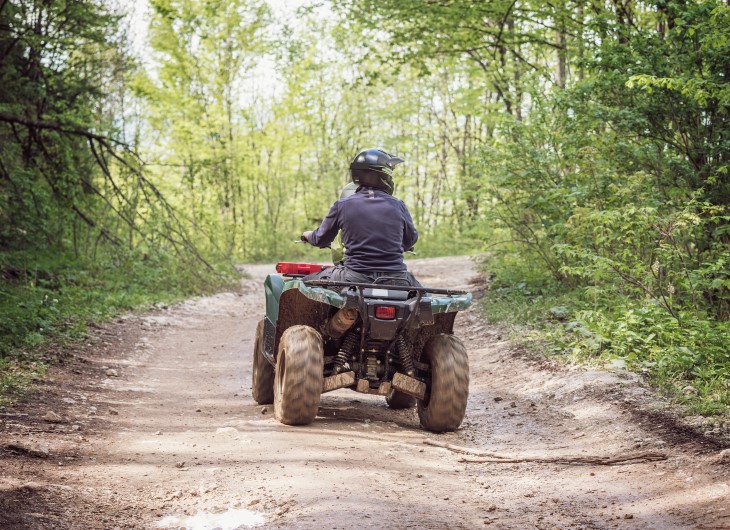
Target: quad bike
390,340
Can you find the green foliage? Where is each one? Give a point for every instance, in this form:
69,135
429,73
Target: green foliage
445,241
16,375
618,188
53,57
83,232
701,33
254,169
51,296
600,325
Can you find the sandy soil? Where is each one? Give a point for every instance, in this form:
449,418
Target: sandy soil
156,428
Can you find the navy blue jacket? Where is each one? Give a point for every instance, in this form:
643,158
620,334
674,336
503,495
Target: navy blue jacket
376,229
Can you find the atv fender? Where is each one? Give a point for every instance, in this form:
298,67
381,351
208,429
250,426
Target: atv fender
290,303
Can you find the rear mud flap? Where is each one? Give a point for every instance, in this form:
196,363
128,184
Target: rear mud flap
334,382
409,385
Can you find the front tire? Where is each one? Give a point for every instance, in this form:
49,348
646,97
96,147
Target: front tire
445,404
262,384
298,376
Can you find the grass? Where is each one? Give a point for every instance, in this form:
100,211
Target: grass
47,306
689,361
16,376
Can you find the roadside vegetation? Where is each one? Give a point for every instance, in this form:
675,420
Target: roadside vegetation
47,307
610,205
583,145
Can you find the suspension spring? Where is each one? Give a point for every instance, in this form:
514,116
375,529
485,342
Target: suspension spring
347,350
405,354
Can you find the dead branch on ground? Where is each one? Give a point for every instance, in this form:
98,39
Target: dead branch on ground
487,457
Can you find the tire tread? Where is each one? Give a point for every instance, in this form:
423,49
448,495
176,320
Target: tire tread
262,384
298,376
449,390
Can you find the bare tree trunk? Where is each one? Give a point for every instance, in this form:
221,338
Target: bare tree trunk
580,43
517,76
562,52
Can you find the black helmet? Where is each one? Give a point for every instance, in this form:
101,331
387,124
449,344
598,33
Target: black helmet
374,168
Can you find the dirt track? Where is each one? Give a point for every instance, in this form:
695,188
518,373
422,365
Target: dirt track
157,429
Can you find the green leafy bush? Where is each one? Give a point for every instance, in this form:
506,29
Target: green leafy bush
618,191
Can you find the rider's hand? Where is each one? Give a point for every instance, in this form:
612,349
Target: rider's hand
305,235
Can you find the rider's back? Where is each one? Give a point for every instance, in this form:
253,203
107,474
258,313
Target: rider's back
376,229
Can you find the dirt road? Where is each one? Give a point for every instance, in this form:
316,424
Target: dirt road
152,426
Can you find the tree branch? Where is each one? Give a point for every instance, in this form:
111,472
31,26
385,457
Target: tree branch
56,126
496,458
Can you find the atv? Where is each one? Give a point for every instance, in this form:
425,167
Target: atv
382,338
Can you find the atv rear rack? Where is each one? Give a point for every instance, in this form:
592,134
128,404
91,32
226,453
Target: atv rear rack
422,290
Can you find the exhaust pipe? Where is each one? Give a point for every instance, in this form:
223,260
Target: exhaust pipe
341,322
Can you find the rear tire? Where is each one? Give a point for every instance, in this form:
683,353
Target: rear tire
445,404
399,400
298,376
262,384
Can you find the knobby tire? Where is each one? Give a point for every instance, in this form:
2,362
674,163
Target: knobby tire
262,384
445,405
298,376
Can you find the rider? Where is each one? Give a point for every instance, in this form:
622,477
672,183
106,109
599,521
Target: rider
376,227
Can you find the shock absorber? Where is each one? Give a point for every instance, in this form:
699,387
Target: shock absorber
347,349
405,354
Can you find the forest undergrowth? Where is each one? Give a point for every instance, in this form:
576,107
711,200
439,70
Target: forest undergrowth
682,360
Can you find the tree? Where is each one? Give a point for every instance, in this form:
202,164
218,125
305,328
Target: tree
203,53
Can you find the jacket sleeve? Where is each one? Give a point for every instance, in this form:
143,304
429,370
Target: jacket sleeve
410,234
327,230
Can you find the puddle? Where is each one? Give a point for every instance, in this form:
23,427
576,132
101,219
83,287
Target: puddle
230,520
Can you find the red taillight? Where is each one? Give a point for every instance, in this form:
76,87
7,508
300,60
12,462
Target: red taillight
284,267
385,312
